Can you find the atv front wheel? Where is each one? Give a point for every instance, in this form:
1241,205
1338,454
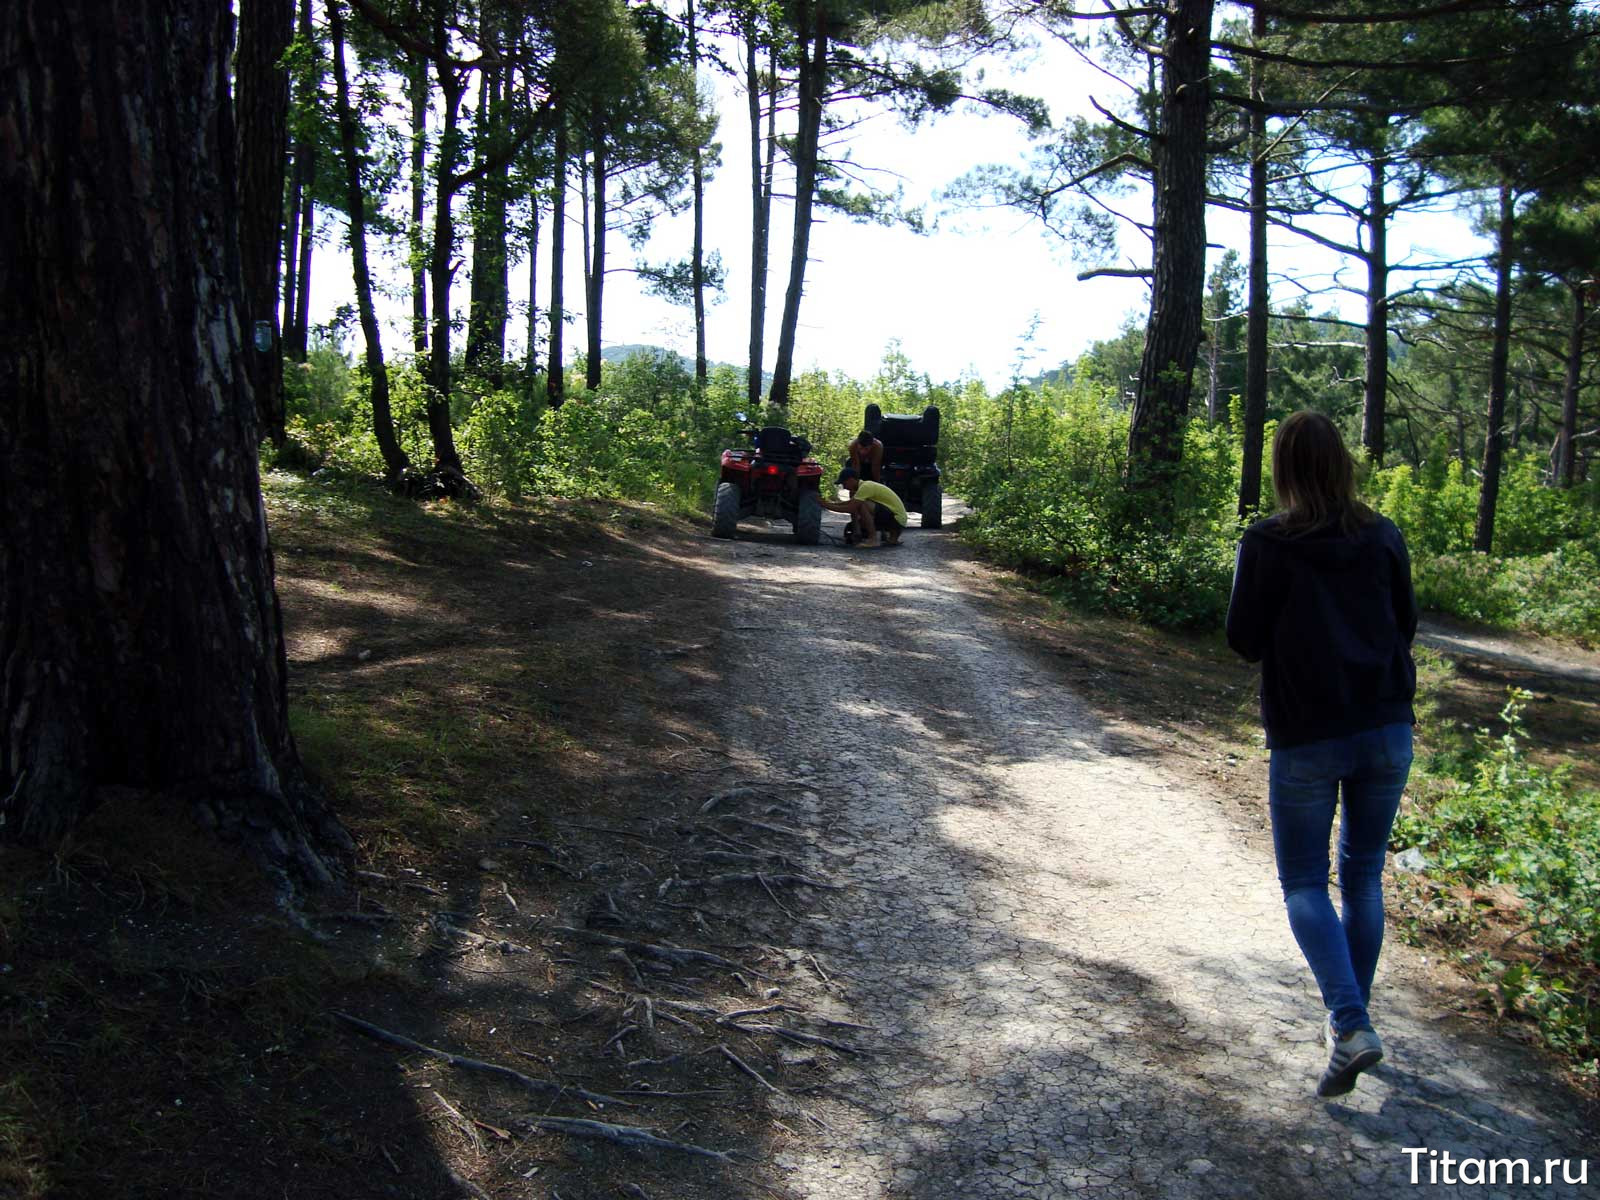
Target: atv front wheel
932,506
808,519
725,516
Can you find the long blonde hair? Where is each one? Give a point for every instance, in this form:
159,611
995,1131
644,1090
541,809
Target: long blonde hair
1314,476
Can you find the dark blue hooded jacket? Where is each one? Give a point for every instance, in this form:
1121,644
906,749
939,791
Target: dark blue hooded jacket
1330,618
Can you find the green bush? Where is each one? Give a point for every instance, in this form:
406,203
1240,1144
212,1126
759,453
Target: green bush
1045,476
1504,820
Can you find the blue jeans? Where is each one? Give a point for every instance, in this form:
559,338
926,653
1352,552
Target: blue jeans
1304,789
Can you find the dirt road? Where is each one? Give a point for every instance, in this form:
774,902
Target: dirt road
1079,980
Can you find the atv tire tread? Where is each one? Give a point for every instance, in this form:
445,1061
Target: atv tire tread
725,515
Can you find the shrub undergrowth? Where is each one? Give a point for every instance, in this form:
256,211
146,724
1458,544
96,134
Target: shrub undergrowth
1487,816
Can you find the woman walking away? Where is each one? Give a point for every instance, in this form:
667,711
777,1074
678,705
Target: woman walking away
1322,600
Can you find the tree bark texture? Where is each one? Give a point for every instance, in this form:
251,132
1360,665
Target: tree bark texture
1255,367
297,308
291,249
263,108
1375,377
491,288
533,289
1499,362
1566,454
418,84
813,93
442,261
596,276
760,219
298,338
394,458
1172,335
697,253
140,641
555,381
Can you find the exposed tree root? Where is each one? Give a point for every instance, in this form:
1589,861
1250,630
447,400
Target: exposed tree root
631,1136
541,1087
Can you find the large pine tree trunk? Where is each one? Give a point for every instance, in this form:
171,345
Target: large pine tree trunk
1255,369
813,93
1374,412
760,214
555,381
263,106
1499,363
394,458
297,339
443,252
697,253
418,84
597,261
533,289
140,641
297,252
1566,454
486,326
1172,335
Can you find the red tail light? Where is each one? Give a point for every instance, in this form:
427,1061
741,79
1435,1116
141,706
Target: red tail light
773,469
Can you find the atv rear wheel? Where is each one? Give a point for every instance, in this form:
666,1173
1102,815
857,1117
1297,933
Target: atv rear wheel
932,505
725,515
808,519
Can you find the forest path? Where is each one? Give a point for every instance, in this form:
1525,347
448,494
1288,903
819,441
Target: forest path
1540,656
1080,978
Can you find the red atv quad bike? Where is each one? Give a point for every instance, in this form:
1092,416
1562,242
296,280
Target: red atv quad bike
776,477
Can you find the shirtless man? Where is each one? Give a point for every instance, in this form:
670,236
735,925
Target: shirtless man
866,456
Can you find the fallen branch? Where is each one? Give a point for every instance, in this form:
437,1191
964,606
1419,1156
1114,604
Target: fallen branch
631,1136
539,1087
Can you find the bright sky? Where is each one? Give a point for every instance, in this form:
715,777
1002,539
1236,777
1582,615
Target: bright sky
959,300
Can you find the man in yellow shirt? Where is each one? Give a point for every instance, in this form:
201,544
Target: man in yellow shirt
878,514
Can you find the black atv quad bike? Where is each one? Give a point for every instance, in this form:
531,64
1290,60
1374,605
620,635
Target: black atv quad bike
910,460
776,477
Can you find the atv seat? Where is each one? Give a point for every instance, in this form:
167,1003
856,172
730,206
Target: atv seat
776,442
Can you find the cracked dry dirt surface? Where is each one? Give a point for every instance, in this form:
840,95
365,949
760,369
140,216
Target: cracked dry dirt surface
1079,978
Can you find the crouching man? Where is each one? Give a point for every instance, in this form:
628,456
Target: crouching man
875,511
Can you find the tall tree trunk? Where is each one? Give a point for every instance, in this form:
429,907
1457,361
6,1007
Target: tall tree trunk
533,289
597,261
263,108
555,381
1375,379
698,252
1255,370
1177,300
1566,454
142,644
297,256
486,326
813,93
394,458
291,247
1499,361
418,84
452,86
298,340
760,213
